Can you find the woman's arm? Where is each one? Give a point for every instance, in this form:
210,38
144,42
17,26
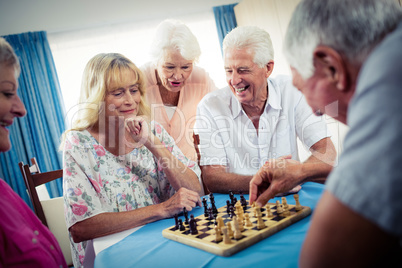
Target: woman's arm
112,222
178,174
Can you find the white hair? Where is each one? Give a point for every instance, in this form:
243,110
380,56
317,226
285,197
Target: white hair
351,27
252,38
174,34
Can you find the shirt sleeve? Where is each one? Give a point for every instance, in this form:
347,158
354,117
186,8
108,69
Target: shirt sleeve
310,128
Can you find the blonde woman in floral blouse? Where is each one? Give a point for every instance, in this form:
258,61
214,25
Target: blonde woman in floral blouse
120,171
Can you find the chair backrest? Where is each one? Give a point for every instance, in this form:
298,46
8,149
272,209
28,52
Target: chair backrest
50,212
196,140
33,177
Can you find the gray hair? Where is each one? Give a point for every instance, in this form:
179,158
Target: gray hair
252,38
351,27
8,56
173,34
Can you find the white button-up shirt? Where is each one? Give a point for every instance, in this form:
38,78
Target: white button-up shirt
228,137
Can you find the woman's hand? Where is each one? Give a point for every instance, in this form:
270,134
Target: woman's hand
183,198
138,129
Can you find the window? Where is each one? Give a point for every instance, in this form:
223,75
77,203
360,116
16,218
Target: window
72,50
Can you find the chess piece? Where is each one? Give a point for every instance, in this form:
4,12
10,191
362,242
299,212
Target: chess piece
279,209
260,221
284,203
243,201
226,238
220,222
229,227
185,215
204,202
237,233
192,218
218,235
228,205
210,214
286,211
176,221
298,207
269,211
181,225
248,222
193,226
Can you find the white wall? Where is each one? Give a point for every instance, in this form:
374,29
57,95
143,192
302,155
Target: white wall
53,16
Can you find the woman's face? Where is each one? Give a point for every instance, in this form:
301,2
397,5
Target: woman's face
10,104
173,70
123,97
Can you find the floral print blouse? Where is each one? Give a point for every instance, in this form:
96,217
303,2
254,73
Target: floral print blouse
96,181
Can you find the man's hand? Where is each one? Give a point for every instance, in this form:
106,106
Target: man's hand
274,177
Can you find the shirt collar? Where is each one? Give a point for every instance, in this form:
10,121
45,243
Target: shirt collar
274,100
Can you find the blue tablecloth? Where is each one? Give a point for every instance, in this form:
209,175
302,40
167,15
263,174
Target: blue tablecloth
148,248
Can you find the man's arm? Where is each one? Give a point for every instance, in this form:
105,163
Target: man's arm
282,175
317,167
339,237
218,180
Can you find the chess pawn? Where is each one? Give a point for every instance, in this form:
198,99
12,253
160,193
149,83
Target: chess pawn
247,219
218,236
269,211
279,209
229,227
260,222
298,207
226,238
221,224
286,211
237,233
257,211
181,225
284,203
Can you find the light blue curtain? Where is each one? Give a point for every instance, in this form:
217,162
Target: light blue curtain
38,133
225,20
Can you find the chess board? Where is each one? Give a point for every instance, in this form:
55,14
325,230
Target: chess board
205,239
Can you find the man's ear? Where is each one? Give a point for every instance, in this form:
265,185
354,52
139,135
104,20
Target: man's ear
269,68
333,65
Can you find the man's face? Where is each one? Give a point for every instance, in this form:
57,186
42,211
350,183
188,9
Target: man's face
318,91
247,81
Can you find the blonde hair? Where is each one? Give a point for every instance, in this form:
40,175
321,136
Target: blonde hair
99,73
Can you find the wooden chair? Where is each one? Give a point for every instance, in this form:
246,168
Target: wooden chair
196,140
50,212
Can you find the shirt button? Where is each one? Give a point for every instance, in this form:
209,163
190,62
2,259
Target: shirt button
36,232
61,266
51,247
34,240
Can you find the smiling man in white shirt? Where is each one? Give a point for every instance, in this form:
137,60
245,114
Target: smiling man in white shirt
252,125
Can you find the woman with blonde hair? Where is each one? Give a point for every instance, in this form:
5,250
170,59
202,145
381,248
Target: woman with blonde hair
120,170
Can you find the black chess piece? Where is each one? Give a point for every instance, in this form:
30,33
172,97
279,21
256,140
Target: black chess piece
181,225
210,214
185,215
193,226
228,205
176,220
192,218
204,202
232,212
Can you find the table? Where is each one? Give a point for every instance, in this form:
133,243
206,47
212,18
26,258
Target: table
148,248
